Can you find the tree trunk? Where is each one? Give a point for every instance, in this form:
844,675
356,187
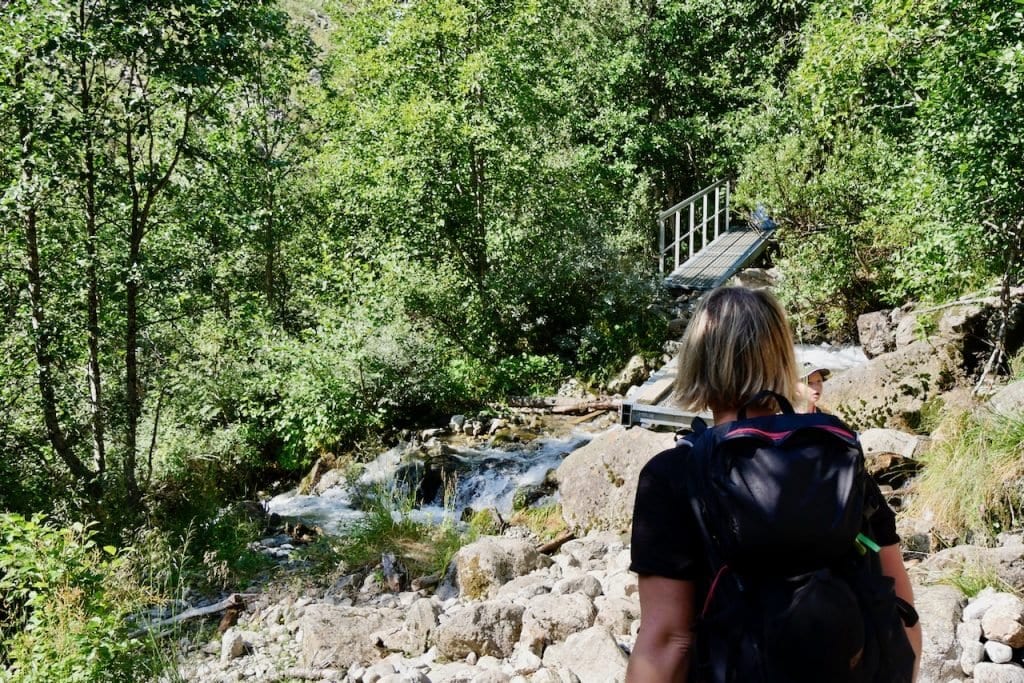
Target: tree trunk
92,288
133,278
40,332
133,392
270,254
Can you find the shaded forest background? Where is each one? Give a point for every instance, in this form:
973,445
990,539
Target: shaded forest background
238,236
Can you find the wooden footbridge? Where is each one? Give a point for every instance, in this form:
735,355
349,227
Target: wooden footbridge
705,249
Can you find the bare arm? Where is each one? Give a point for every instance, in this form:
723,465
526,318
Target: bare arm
892,565
662,650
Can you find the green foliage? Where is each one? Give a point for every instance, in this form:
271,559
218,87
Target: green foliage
972,484
1017,365
527,374
888,138
971,579
511,230
64,607
545,521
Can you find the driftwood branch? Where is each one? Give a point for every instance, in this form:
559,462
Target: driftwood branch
552,546
589,416
308,675
586,407
235,600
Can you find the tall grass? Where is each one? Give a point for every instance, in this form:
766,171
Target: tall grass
389,527
972,483
545,521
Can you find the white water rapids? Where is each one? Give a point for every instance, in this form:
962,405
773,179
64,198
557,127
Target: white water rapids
488,476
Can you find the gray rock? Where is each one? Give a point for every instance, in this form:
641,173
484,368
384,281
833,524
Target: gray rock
635,372
585,584
479,569
597,482
876,441
1006,562
989,672
891,389
591,655
378,672
339,637
525,587
906,330
968,631
876,333
1009,400
618,614
487,628
421,619
552,618
998,652
939,607
233,645
490,676
755,278
978,605
971,655
1003,622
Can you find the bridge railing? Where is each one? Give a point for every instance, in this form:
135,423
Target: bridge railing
683,228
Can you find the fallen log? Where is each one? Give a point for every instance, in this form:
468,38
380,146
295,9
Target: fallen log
309,674
234,601
589,416
586,407
552,546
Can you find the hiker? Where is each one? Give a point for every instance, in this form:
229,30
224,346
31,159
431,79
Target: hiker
812,383
738,343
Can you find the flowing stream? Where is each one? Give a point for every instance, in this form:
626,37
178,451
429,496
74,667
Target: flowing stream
485,476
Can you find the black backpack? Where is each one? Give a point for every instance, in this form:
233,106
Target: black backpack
796,592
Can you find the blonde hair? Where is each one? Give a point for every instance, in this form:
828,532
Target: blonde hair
737,344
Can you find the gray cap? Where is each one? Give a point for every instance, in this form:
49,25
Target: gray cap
808,369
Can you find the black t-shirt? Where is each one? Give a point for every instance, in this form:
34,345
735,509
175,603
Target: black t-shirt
666,539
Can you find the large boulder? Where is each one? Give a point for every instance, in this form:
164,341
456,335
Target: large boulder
592,656
939,607
916,355
597,482
552,618
338,637
1005,562
483,628
1009,401
877,331
890,454
891,389
635,372
891,442
479,569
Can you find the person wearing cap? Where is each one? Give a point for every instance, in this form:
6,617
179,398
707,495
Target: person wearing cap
812,382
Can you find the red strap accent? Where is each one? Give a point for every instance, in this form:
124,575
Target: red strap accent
778,436
711,590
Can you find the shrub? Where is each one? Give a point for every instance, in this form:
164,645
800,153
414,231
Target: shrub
64,604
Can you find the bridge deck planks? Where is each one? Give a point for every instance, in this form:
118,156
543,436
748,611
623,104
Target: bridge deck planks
720,260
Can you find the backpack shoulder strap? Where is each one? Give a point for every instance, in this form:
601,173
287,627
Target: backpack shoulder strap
701,441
